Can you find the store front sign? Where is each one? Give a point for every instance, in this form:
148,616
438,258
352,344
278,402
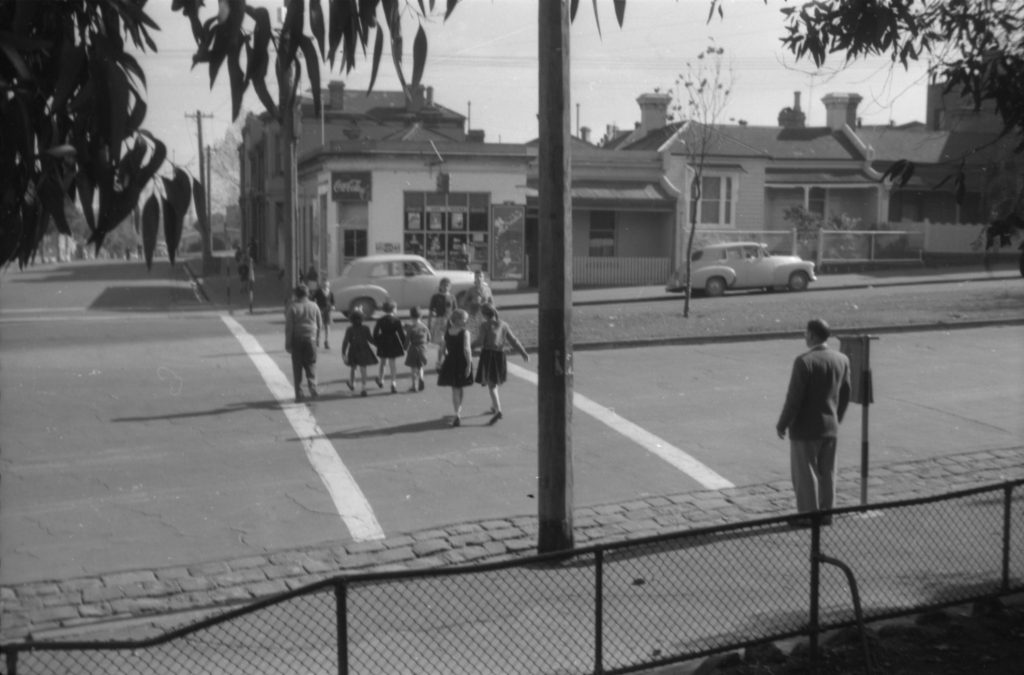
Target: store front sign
351,187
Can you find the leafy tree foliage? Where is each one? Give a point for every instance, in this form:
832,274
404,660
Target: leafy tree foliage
72,111
74,100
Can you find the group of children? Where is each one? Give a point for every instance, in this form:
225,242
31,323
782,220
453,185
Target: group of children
390,340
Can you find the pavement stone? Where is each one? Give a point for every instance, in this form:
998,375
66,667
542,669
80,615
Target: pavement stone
59,608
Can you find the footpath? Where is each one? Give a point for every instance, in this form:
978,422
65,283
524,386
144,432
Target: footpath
222,290
141,603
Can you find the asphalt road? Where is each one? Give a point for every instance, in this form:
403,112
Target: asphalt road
139,433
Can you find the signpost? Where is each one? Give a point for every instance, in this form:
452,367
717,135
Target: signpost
858,349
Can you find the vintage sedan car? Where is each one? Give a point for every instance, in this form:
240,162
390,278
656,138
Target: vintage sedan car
737,265
407,280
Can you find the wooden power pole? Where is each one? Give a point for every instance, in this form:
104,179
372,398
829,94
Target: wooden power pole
203,213
554,358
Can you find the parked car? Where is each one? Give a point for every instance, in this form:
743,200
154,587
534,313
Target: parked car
407,280
745,264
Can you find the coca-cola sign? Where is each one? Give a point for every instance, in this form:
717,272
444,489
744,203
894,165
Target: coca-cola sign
351,187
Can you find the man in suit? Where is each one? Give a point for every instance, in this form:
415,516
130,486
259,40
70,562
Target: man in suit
818,394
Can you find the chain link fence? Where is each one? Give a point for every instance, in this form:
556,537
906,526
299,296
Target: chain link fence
604,609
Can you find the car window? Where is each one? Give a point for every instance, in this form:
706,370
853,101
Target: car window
750,252
765,252
380,270
734,253
415,268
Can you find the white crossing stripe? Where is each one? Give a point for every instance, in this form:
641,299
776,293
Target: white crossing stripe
353,507
681,460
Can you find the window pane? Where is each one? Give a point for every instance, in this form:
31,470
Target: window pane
602,234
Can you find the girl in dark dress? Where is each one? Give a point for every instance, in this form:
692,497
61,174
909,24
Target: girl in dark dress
456,361
389,336
356,351
494,339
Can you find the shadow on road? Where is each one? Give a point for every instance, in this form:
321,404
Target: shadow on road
99,270
272,404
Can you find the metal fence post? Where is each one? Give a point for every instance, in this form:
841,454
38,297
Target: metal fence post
1007,506
341,619
12,662
599,611
815,583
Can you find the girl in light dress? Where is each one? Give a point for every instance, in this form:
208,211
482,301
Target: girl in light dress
494,339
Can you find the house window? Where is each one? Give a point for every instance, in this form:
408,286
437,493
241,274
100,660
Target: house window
716,200
602,234
354,243
816,201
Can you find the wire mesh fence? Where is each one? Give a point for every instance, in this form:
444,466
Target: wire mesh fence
611,609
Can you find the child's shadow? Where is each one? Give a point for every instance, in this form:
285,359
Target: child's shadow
410,428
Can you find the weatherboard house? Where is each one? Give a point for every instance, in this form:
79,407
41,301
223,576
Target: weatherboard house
383,172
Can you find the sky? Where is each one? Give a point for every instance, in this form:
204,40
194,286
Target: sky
482,63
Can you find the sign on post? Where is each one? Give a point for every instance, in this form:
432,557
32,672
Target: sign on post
858,349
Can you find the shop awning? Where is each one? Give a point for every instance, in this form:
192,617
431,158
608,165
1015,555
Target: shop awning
616,193
826,177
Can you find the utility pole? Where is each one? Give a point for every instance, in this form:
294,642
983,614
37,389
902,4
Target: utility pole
554,358
209,197
286,107
206,236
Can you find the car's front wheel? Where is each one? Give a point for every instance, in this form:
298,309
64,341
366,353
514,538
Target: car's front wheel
798,281
715,286
365,306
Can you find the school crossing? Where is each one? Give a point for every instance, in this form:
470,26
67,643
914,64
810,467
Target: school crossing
354,508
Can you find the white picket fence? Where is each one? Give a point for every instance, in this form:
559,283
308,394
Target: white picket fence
587,271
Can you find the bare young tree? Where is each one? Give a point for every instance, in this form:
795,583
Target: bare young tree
701,95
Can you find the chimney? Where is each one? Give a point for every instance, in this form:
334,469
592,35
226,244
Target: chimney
653,111
585,134
475,136
841,109
792,118
430,96
415,102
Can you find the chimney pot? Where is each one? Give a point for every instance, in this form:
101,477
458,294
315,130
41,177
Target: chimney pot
840,110
585,134
653,111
